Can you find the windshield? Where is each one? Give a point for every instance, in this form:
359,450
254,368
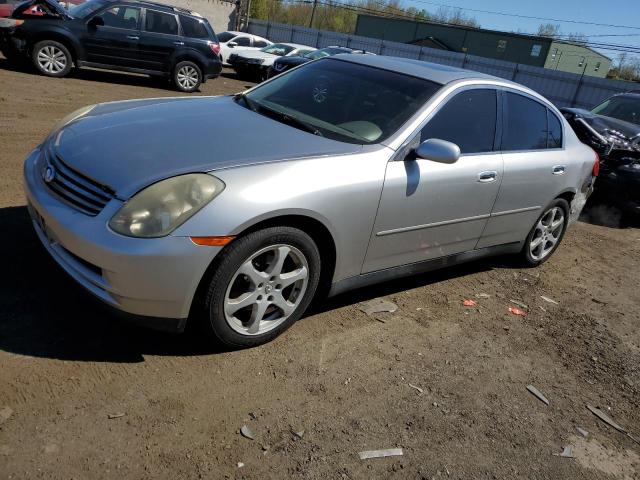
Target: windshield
226,36
85,9
622,108
343,100
325,52
279,49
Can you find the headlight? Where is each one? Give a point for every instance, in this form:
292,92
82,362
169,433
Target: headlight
161,208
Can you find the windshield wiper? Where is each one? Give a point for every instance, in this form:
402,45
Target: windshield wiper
243,96
288,119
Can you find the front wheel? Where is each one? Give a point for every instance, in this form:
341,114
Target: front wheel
262,283
51,58
546,234
187,76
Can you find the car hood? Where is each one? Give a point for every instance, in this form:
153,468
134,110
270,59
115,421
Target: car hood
291,61
256,54
53,4
132,144
602,123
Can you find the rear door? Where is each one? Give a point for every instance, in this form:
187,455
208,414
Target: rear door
535,164
159,38
115,42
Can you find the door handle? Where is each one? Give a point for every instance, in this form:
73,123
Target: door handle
178,43
486,177
133,37
559,169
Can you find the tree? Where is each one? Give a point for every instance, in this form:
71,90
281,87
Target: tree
549,30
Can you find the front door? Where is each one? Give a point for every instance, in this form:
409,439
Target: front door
159,38
429,209
116,41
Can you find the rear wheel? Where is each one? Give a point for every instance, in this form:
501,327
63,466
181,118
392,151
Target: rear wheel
51,58
187,76
546,234
262,283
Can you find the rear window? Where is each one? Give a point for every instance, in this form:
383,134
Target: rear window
192,27
159,22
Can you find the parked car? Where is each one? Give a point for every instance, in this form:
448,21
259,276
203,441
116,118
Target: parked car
282,64
235,42
612,129
255,64
128,35
396,168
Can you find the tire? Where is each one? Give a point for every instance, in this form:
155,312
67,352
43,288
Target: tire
556,211
246,273
187,76
51,58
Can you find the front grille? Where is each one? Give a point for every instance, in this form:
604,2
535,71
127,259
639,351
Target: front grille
81,192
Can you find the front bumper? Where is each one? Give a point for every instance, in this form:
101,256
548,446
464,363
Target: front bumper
149,278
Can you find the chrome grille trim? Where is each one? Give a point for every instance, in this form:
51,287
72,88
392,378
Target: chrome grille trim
76,189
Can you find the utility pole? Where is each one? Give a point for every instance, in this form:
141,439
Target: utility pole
248,13
313,13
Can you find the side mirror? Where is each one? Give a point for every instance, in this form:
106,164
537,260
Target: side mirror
232,44
96,21
438,150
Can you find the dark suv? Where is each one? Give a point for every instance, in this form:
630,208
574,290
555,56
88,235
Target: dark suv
127,35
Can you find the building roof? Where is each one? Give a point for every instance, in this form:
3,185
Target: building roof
429,71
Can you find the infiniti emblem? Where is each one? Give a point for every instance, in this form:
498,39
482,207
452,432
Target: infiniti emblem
49,174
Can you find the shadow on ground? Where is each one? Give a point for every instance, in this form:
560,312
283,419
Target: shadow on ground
46,314
604,212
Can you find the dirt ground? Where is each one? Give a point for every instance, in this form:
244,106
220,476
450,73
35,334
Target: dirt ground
444,382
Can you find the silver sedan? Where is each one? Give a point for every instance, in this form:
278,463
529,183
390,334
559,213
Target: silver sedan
234,211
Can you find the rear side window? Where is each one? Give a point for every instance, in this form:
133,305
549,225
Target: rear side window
194,28
468,120
159,22
525,125
554,138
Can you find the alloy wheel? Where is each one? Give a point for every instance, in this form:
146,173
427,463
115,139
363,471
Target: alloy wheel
266,289
51,59
187,77
547,233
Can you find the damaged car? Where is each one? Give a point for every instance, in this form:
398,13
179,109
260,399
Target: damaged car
130,36
234,211
612,129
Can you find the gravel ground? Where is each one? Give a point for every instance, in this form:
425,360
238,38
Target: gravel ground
444,382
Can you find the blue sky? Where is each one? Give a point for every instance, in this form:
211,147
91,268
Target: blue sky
614,12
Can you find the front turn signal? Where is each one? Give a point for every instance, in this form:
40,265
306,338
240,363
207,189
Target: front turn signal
211,241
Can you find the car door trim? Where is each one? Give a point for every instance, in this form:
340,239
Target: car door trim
517,210
431,225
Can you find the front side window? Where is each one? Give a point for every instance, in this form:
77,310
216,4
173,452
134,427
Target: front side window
193,28
525,125
468,120
342,100
242,41
259,43
121,17
159,22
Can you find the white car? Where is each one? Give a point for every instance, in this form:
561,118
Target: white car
256,63
234,42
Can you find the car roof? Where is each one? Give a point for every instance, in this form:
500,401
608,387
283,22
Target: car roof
434,72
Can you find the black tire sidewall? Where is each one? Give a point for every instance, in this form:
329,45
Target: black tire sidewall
230,260
526,254
174,77
34,58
